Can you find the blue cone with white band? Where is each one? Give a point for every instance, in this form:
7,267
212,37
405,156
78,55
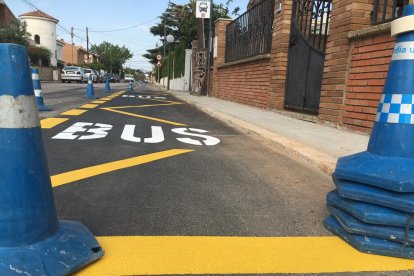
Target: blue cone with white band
38,91
130,87
107,86
90,92
380,181
32,239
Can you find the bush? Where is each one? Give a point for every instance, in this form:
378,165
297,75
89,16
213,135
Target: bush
37,54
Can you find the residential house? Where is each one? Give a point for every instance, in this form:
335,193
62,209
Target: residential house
5,14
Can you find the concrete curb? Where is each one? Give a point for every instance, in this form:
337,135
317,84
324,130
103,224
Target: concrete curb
324,162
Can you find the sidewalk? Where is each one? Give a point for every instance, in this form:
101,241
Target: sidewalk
317,144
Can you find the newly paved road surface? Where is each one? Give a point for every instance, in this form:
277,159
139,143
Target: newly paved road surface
169,190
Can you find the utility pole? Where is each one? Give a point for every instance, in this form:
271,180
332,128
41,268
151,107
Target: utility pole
72,35
87,44
210,47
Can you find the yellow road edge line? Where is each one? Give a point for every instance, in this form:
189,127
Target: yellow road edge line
98,102
72,176
89,106
106,99
74,112
143,117
142,106
49,123
152,255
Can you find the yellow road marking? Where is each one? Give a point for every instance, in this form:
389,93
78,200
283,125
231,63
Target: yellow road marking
52,122
143,117
74,112
89,106
72,176
99,102
235,255
106,99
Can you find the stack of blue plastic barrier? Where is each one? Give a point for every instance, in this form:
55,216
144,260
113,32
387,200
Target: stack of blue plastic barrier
373,205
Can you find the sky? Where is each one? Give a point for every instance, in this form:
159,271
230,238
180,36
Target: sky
108,15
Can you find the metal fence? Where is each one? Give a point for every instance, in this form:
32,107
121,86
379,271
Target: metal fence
387,10
251,33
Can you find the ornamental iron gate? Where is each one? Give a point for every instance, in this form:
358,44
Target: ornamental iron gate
308,35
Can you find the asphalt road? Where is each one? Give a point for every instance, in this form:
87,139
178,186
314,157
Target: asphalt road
195,176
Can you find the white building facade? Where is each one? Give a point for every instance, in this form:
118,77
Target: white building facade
42,28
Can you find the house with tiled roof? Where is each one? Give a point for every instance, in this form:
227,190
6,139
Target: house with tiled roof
42,27
6,14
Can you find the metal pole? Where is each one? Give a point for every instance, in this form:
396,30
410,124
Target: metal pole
87,44
210,47
158,74
72,35
169,66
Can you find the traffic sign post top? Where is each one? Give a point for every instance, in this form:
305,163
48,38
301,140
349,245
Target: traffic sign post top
159,57
203,9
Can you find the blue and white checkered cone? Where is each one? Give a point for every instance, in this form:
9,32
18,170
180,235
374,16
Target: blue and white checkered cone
130,87
32,238
107,86
90,92
38,91
373,205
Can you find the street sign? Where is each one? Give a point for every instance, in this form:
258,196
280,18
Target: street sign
159,57
203,9
159,64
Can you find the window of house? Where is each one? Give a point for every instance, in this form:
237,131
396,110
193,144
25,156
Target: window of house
37,39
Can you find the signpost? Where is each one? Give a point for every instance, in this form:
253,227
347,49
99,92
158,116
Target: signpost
203,9
159,58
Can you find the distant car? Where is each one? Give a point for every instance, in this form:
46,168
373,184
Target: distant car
129,78
100,76
203,7
89,72
117,78
73,73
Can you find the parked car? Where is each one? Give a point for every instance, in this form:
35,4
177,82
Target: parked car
117,78
89,72
129,78
100,76
73,73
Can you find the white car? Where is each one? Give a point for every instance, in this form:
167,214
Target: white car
73,73
89,72
129,78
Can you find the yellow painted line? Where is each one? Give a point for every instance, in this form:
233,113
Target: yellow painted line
89,106
144,105
143,117
98,102
72,176
106,99
74,112
52,122
235,255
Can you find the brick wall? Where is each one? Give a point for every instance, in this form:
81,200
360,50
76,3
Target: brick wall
246,83
279,55
346,16
5,15
370,58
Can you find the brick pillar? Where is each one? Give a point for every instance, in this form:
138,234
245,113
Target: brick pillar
220,38
279,54
346,16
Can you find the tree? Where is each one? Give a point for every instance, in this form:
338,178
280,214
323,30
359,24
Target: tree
180,21
15,32
39,54
113,57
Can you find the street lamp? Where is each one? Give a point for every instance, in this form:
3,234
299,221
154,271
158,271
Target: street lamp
170,39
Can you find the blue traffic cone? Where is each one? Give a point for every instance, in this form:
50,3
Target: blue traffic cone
130,87
375,188
38,91
90,92
32,239
107,86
